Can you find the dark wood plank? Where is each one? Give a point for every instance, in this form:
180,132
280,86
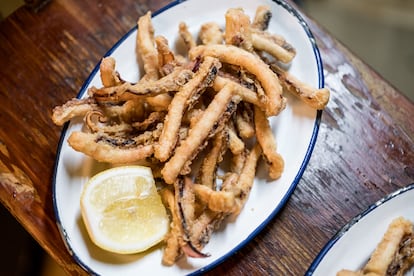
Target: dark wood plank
45,58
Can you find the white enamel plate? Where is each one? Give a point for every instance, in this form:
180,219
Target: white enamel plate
295,128
352,246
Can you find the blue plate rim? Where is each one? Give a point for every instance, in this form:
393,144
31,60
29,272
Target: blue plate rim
277,209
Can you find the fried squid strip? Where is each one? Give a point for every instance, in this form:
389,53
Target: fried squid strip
217,201
202,78
217,127
204,225
104,150
73,108
315,98
145,46
245,181
192,116
113,95
235,144
130,111
210,33
259,90
275,101
262,18
226,200
109,76
404,258
243,121
382,257
185,198
166,58
173,239
208,169
171,82
237,161
238,29
197,134
153,118
267,141
159,102
245,93
274,45
235,189
97,122
186,36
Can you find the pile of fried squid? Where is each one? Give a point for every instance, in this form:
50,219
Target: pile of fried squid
189,113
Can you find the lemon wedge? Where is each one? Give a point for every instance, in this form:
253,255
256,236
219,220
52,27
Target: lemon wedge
123,211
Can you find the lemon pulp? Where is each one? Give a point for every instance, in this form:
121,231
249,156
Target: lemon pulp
123,211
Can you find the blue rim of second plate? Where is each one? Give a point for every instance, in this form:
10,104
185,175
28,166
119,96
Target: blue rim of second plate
351,223
292,187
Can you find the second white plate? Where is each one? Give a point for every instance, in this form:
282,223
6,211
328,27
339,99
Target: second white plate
352,246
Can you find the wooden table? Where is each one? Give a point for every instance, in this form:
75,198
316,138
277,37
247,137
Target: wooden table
365,147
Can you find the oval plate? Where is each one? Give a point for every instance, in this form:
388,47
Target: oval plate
295,129
352,246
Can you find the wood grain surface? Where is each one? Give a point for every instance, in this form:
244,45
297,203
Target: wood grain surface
365,147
